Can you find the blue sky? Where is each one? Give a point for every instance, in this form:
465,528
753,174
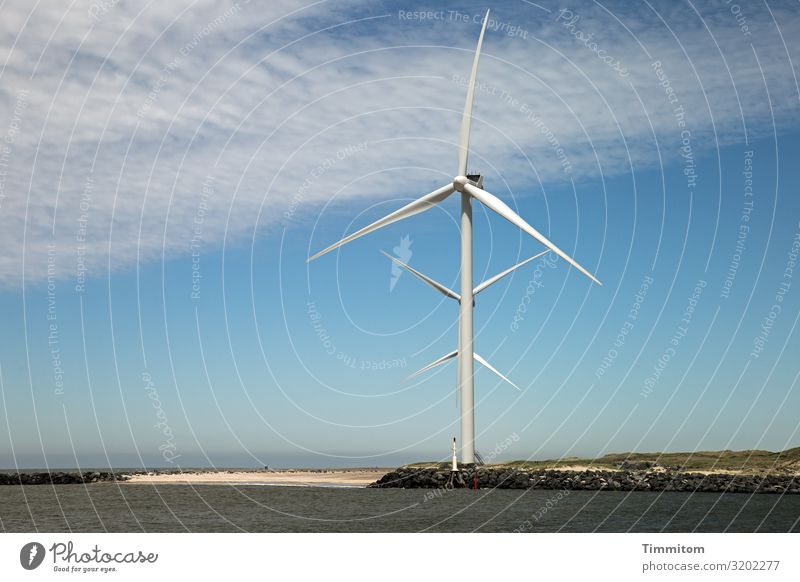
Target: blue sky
166,171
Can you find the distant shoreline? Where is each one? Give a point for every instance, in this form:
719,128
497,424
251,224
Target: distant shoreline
356,477
749,471
438,478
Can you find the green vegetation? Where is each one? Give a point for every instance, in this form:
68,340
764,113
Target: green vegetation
745,462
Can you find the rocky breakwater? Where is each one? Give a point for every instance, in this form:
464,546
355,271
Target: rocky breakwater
648,479
60,478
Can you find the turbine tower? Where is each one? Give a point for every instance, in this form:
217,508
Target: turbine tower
469,186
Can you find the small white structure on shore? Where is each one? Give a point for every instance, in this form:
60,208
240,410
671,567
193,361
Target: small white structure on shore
455,459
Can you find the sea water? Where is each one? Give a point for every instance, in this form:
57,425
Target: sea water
124,507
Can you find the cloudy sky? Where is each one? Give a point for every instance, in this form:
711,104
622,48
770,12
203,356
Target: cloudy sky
166,168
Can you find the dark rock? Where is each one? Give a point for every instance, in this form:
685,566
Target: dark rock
640,478
60,478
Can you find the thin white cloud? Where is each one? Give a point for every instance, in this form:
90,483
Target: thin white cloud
123,115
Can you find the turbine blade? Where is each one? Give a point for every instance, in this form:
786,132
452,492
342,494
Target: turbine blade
419,205
435,284
435,363
486,364
466,118
500,207
499,276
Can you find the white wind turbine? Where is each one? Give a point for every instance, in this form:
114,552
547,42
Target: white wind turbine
469,186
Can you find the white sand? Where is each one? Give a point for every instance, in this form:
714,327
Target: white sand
327,478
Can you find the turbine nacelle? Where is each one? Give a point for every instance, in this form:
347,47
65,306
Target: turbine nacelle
460,182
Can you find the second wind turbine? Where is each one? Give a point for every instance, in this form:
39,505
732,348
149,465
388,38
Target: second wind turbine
469,186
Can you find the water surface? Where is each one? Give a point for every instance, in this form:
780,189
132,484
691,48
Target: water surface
257,508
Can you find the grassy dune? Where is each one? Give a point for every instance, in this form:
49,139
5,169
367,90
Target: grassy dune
745,462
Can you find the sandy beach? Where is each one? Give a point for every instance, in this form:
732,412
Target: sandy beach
297,477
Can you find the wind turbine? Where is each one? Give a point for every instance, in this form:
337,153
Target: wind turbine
469,186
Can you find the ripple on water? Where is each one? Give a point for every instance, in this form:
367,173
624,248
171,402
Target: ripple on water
278,508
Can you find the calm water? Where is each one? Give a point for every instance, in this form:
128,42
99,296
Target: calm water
212,508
